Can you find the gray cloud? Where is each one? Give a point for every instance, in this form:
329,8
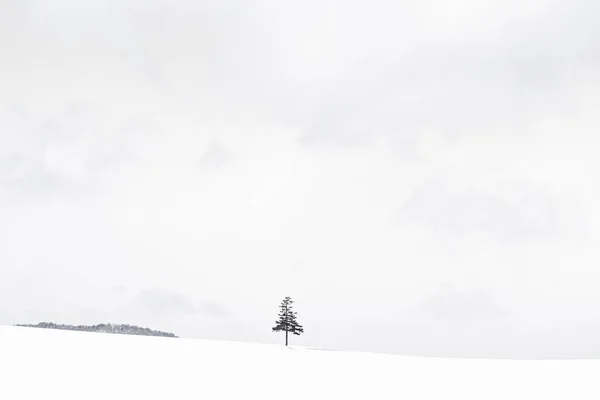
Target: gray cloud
456,304
459,80
213,309
457,94
25,177
6,318
215,158
65,152
161,304
533,214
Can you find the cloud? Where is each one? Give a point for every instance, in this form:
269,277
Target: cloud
454,304
465,209
163,303
166,304
213,309
23,176
67,151
6,318
215,157
480,73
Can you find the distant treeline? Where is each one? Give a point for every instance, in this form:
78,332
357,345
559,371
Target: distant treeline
103,328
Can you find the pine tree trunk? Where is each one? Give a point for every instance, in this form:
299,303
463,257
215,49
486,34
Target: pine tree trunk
286,337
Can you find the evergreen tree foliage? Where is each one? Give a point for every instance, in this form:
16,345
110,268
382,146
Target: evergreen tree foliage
287,320
103,328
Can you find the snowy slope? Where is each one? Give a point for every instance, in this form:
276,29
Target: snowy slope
49,364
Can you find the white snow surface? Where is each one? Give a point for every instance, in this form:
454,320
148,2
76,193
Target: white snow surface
52,364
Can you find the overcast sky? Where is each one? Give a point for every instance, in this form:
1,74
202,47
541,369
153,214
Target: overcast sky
422,177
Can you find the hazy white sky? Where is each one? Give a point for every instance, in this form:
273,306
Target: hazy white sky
420,176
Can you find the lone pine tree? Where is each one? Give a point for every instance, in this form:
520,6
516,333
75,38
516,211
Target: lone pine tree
287,320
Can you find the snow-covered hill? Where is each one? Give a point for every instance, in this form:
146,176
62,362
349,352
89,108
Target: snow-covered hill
52,364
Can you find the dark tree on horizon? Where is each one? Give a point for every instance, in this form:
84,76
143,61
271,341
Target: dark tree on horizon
287,320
